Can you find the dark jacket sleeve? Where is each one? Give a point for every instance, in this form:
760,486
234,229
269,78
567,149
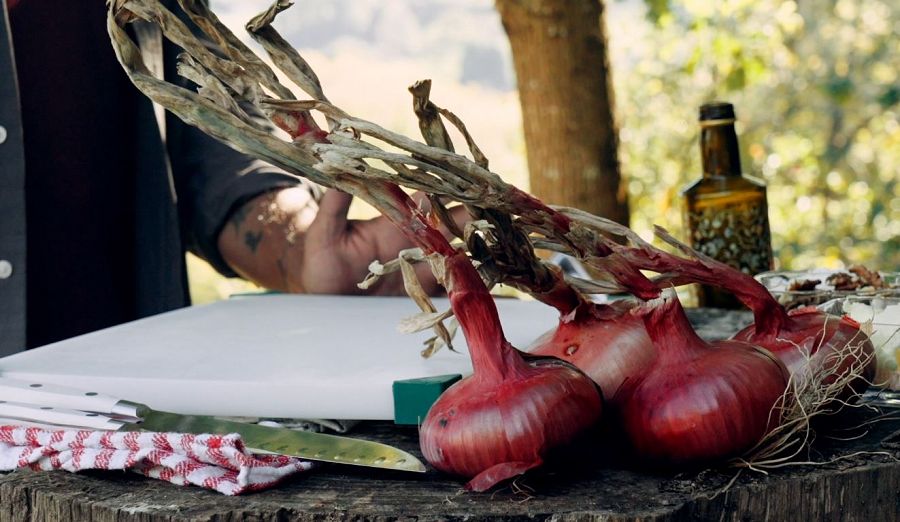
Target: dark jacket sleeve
211,181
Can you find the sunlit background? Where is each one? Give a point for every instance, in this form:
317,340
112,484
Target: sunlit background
814,84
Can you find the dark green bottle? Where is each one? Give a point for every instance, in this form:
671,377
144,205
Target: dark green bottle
726,213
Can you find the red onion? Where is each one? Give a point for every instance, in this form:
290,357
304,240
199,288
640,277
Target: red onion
699,401
504,419
607,343
814,344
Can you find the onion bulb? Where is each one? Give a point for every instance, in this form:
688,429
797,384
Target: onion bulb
699,402
813,344
503,419
606,342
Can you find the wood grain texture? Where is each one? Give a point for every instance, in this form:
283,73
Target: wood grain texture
559,50
587,485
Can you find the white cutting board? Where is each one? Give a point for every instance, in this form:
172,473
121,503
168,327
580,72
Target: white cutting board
291,356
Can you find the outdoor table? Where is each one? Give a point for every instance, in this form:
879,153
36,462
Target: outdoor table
590,485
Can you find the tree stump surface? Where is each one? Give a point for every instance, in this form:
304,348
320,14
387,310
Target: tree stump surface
585,485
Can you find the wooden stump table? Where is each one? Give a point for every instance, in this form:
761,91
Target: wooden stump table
856,480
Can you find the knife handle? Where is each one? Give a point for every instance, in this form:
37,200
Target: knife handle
32,392
57,416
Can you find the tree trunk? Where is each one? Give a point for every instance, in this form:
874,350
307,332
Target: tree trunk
559,53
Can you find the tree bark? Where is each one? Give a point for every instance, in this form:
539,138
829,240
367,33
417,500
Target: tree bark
560,57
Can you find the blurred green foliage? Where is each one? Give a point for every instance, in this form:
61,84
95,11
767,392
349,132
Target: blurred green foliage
815,86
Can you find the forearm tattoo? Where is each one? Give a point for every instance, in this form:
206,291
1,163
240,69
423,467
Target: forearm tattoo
237,218
252,240
267,238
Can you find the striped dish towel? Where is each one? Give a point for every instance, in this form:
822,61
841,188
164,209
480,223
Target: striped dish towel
218,462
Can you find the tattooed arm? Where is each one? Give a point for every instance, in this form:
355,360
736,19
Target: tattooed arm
283,240
265,235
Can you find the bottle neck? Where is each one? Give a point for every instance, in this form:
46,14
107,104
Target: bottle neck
719,149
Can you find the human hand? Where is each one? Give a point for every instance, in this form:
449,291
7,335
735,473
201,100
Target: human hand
337,251
285,241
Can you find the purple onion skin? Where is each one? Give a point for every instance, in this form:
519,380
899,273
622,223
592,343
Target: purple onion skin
699,402
494,432
810,334
609,349
709,408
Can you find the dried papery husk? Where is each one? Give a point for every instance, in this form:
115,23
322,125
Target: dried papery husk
430,318
512,246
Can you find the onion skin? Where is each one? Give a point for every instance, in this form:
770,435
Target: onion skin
492,433
809,342
607,343
503,419
699,402
681,414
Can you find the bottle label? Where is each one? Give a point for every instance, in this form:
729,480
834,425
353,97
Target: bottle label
736,234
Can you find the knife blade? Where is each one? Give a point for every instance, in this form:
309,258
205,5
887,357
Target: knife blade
69,407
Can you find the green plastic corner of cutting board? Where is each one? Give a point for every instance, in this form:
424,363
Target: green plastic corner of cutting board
413,397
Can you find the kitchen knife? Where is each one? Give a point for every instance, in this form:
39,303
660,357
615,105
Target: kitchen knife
68,407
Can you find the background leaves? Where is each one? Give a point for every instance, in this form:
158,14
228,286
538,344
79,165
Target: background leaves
815,88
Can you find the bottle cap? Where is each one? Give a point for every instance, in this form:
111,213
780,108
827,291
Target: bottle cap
716,113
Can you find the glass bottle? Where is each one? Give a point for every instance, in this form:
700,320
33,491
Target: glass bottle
726,213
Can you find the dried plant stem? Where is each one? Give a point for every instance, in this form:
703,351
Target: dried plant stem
217,110
434,169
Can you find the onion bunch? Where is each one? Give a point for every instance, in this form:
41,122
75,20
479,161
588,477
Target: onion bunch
507,416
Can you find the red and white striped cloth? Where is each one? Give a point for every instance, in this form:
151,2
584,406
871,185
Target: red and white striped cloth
219,462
